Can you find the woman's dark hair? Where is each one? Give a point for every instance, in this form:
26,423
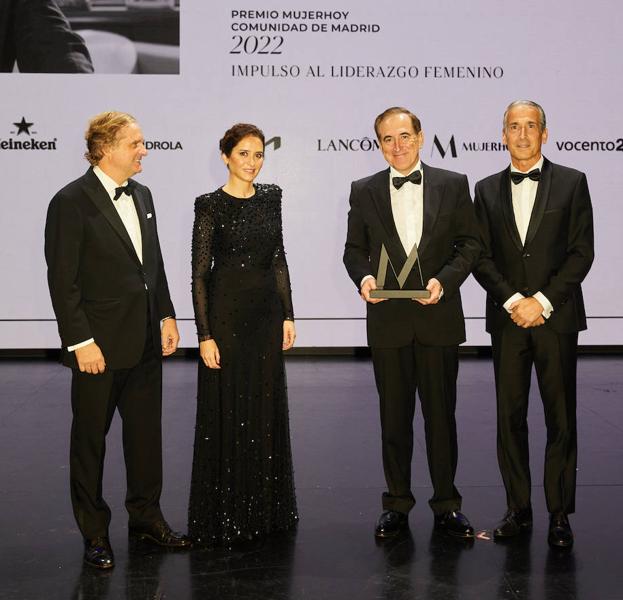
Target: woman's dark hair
234,134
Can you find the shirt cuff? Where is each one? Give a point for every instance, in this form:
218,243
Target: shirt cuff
516,296
365,279
80,345
166,319
548,309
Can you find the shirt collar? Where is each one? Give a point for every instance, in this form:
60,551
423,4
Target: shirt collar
110,185
394,173
537,165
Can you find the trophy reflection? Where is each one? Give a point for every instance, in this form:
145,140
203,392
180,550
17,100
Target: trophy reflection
401,277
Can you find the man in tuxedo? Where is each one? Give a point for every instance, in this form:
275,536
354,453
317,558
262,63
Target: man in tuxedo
36,34
537,234
115,319
414,343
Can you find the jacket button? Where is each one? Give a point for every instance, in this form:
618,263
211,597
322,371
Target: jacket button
526,255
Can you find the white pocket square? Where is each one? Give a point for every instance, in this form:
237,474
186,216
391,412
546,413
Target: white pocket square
149,215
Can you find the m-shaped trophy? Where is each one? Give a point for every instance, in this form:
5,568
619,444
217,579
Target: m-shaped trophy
412,259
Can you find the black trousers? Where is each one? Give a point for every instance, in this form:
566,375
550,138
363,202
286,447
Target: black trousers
554,357
137,394
432,372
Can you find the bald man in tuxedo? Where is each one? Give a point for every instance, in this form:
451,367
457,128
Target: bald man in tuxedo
536,224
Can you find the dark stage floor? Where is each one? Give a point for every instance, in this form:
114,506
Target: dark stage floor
335,435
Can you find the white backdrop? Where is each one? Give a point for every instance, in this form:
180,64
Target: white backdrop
456,64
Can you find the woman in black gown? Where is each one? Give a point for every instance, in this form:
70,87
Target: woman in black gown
242,483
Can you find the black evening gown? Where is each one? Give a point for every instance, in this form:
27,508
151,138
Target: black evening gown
242,481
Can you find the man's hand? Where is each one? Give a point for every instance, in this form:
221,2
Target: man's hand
289,335
90,359
367,286
527,312
435,289
211,357
170,337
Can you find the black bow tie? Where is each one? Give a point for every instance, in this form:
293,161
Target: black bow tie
126,189
517,177
415,177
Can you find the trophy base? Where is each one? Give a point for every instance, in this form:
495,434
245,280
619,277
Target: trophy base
410,294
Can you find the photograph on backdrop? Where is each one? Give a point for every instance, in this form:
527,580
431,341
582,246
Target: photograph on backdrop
90,36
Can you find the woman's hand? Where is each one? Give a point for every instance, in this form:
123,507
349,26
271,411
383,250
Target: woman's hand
211,357
289,335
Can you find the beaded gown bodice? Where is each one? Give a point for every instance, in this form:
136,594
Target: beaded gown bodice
241,240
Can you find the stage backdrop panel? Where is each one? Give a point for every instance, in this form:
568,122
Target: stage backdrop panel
314,78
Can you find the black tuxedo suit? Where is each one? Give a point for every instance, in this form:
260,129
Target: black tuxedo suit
100,290
415,346
36,35
555,258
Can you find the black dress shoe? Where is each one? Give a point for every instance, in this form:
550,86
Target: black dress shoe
513,523
560,534
98,553
390,524
454,523
160,533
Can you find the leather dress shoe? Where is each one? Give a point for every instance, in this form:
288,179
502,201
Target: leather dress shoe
454,523
390,524
560,534
98,553
160,533
513,523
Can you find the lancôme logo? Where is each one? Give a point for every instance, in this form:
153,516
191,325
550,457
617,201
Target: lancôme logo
22,137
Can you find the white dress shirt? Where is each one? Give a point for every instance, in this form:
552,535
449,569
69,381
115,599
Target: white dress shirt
408,208
523,197
124,205
126,209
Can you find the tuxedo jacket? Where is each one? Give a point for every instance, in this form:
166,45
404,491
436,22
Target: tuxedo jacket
557,253
36,34
448,250
98,286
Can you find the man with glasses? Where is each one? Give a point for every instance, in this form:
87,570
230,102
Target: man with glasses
414,343
537,231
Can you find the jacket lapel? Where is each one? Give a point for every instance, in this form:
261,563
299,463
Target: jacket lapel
97,194
506,200
379,189
432,193
139,205
540,202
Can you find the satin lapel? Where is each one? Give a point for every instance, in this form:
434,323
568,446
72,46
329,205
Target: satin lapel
379,189
540,202
139,204
96,192
432,192
506,202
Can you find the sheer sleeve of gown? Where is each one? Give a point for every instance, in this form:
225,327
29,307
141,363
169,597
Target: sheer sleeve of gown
202,257
280,269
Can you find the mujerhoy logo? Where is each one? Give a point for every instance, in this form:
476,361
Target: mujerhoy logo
21,138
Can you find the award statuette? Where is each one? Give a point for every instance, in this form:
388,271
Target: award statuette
379,292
